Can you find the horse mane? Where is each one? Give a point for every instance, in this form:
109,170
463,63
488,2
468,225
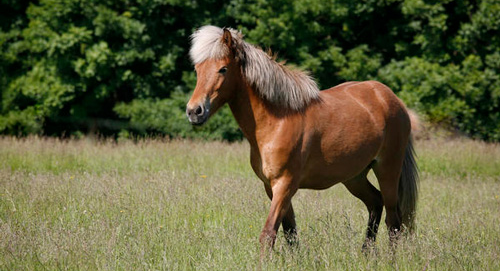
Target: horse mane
275,82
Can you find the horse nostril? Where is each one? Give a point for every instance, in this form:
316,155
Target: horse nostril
199,111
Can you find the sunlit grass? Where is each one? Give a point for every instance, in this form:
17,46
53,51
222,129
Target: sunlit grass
183,205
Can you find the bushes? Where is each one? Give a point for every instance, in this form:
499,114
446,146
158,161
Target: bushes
465,96
70,62
167,116
121,66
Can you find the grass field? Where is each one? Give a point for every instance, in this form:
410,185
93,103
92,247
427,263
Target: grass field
183,205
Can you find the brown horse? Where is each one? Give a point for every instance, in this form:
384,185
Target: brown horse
301,137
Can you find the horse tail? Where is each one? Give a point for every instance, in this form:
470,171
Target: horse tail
408,187
416,124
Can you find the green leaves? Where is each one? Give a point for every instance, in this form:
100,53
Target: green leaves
167,116
75,66
458,96
31,98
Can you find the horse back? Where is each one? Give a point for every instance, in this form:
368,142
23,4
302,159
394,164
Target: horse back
369,103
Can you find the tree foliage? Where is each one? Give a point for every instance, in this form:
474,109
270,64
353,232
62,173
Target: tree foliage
80,66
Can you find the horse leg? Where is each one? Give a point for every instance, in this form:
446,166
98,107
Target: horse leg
361,188
281,196
290,228
388,174
288,222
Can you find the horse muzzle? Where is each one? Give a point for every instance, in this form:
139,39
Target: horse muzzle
197,115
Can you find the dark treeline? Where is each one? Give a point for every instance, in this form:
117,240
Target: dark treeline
121,67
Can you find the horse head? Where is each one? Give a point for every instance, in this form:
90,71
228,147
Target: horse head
217,71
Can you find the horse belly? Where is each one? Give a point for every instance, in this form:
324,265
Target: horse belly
339,160
324,175
319,181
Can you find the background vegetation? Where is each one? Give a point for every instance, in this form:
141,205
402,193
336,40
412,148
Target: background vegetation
71,67
185,205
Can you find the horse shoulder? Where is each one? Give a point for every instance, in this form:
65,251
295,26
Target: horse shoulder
277,151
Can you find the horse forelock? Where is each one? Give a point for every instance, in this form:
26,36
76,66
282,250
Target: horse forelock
206,43
275,82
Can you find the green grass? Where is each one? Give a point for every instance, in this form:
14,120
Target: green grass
183,205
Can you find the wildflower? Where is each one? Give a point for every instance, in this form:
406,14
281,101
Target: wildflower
203,176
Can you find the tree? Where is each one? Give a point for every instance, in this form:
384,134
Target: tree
109,66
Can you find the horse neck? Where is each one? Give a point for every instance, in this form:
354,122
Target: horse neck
252,114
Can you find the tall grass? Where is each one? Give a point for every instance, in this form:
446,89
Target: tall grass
183,205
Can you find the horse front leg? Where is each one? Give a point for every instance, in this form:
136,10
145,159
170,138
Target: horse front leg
288,222
282,190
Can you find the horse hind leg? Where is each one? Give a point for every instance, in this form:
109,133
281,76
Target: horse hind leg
361,188
398,179
388,173
290,227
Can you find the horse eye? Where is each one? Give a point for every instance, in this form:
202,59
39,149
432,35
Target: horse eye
223,70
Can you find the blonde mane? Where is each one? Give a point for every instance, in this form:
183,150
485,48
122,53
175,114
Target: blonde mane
275,82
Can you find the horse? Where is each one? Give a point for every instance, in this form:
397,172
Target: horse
304,138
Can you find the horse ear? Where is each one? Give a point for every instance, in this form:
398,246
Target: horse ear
227,38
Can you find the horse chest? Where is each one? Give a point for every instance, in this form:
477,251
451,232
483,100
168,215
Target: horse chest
270,164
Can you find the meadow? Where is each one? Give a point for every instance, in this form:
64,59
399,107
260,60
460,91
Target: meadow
189,205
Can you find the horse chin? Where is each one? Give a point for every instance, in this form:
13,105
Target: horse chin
199,121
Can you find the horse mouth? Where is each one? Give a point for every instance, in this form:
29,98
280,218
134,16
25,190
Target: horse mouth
197,120
197,123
